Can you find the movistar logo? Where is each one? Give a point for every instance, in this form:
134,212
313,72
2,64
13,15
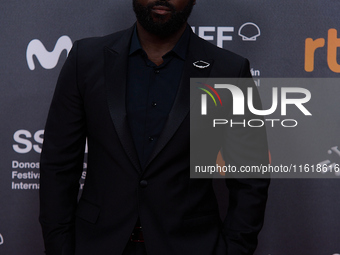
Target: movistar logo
204,97
47,60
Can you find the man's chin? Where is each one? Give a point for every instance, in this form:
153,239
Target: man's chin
160,18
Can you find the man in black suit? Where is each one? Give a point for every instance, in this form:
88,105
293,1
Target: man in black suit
128,93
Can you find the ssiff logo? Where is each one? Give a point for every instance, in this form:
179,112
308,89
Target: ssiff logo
47,60
249,31
1,239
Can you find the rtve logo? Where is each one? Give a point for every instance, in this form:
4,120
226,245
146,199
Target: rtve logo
333,43
47,60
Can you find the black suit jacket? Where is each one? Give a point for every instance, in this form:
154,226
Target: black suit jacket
179,215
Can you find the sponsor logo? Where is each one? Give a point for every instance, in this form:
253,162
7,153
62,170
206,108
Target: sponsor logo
248,32
1,239
25,174
25,142
333,43
47,60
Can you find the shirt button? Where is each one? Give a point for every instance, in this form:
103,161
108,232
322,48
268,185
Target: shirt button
143,183
151,138
157,71
154,104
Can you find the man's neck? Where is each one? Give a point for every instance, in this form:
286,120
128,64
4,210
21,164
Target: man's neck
155,46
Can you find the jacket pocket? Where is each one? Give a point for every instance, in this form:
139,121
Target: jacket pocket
87,211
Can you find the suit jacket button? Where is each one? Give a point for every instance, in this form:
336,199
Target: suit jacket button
143,183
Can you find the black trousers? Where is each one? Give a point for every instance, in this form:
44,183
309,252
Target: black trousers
133,248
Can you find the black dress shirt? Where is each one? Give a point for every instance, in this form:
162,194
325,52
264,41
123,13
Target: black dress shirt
151,91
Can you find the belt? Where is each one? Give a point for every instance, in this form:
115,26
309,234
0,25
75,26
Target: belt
137,235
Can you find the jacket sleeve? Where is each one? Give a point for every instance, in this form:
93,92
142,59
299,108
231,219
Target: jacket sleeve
245,146
61,162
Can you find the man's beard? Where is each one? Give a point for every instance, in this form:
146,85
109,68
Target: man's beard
161,27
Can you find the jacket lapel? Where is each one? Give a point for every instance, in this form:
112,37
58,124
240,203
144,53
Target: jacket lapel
181,105
116,61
